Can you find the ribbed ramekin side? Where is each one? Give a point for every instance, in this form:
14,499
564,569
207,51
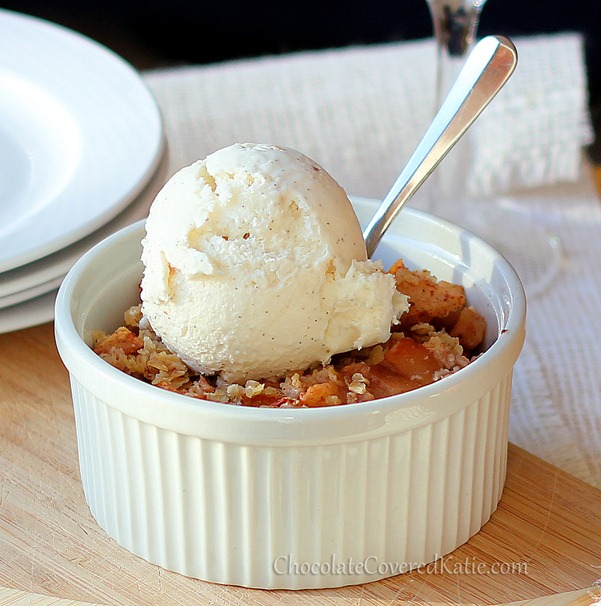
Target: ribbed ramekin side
476,462
93,457
293,516
457,471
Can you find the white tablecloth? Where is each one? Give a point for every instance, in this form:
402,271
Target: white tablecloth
360,112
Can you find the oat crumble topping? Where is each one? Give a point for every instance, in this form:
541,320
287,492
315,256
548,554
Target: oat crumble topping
439,335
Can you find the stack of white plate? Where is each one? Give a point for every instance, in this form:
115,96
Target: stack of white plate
82,153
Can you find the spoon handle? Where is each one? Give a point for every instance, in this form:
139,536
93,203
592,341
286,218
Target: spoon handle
486,70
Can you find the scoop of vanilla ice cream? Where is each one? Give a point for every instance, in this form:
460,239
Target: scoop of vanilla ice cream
255,265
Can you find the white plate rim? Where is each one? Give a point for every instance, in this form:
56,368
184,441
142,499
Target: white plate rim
125,131
32,292
58,264
29,313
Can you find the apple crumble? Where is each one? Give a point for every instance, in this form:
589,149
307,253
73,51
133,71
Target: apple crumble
439,335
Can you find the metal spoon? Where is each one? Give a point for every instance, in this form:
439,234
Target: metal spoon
486,70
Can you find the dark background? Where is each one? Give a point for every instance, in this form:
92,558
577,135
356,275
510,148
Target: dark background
160,33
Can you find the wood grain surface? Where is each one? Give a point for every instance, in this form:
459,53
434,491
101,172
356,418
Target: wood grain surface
544,539
596,170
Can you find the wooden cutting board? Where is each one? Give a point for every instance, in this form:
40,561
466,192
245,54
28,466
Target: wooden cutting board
544,539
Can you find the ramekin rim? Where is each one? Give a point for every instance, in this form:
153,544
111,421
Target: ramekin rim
67,336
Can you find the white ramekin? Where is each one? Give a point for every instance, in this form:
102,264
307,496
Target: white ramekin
305,498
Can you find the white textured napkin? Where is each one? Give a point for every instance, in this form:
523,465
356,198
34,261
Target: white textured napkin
532,133
361,111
